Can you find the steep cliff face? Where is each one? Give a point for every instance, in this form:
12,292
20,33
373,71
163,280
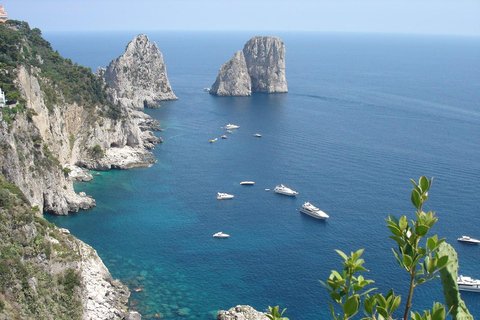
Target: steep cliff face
259,67
265,58
45,273
139,77
233,78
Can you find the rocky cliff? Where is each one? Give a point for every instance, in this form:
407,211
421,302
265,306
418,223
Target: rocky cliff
139,77
259,67
58,116
241,313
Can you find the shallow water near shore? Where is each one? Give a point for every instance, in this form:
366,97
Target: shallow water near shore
364,114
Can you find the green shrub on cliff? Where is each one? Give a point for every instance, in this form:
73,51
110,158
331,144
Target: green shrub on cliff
29,289
61,80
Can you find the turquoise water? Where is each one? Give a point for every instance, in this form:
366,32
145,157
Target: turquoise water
364,114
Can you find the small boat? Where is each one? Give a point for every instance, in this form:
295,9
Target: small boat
231,126
221,235
224,196
224,137
267,189
229,131
313,211
468,284
257,135
206,89
467,239
247,183
213,140
285,190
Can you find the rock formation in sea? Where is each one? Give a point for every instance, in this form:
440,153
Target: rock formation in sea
139,77
241,312
233,78
259,67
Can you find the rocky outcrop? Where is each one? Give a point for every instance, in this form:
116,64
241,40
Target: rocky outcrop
233,78
265,58
139,77
241,313
259,67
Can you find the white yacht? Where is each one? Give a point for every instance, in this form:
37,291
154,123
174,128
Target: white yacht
221,235
223,196
468,284
247,183
257,135
285,190
313,211
231,126
467,239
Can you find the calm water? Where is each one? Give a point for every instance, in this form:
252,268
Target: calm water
364,114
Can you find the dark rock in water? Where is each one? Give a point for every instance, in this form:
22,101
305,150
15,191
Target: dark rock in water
259,67
139,77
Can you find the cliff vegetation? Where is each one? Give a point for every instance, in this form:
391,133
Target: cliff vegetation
21,45
32,284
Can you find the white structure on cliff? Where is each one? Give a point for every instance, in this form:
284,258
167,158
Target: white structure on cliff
2,98
3,14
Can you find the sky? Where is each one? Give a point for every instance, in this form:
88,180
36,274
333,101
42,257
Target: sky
459,17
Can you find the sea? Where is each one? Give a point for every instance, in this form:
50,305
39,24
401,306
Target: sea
363,115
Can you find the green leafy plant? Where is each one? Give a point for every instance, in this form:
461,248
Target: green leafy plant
275,314
422,263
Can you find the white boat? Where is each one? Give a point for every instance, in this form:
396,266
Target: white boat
231,126
206,89
229,131
285,190
313,211
247,183
224,137
467,239
468,284
223,196
257,135
221,235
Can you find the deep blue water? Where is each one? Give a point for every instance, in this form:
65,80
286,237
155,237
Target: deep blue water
364,114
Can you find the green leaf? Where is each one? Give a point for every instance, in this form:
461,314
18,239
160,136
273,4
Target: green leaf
382,311
403,223
421,230
351,306
439,314
415,198
424,184
395,304
407,261
442,262
343,255
431,243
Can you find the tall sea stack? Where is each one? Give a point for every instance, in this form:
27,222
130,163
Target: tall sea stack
259,67
139,77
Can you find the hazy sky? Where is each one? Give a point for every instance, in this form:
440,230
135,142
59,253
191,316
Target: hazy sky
399,16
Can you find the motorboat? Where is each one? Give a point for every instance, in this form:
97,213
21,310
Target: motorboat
206,89
224,137
285,190
468,284
231,126
229,131
257,135
220,234
266,189
249,183
224,196
467,239
213,140
313,211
